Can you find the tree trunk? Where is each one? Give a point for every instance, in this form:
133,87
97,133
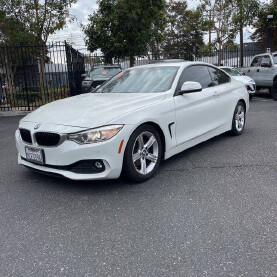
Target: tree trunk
132,60
219,54
241,45
42,66
241,32
9,75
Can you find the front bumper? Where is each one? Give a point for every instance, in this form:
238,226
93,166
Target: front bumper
58,160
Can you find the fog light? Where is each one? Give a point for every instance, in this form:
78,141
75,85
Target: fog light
99,165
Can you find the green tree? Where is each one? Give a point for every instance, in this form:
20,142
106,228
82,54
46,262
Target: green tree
13,31
124,27
101,32
40,18
260,34
184,31
245,13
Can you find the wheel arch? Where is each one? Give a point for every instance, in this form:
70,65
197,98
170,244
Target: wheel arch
244,103
161,133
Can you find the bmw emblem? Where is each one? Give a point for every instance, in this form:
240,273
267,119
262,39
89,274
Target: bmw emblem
36,127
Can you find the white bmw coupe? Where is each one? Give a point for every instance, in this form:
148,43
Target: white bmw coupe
132,122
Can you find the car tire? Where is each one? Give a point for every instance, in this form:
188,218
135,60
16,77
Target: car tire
239,119
273,90
140,161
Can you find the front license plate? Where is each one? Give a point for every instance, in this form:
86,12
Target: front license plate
34,155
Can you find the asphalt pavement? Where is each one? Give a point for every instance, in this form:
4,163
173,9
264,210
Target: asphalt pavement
210,211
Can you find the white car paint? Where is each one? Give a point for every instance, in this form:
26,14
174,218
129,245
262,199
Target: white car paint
194,118
244,79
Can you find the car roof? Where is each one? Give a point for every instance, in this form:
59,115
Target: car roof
176,64
166,61
273,53
107,65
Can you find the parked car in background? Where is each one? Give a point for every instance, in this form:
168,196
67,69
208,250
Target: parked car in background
249,82
99,75
167,61
140,116
263,70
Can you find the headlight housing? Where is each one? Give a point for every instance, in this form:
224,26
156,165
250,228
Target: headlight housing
95,135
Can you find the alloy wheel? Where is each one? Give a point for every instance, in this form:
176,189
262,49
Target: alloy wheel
145,152
240,118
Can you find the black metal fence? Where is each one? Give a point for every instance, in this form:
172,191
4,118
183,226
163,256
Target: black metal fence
31,76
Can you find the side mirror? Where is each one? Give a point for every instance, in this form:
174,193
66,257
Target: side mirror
265,65
84,75
190,87
243,73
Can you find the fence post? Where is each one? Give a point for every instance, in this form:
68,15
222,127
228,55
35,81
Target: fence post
25,77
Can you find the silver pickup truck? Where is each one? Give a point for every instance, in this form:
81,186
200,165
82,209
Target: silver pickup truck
263,70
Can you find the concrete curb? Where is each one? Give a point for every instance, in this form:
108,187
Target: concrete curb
13,113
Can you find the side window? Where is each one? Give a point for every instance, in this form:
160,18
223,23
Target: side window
218,76
266,60
256,61
196,73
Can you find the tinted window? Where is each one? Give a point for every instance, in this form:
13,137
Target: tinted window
218,76
275,58
256,61
196,73
141,80
266,60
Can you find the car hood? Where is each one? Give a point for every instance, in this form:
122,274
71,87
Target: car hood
244,79
93,109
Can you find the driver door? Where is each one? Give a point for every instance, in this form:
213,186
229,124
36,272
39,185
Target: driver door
195,112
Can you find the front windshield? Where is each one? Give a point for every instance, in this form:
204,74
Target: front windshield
231,71
104,72
141,80
275,59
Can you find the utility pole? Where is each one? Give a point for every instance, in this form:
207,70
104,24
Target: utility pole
241,33
210,30
269,18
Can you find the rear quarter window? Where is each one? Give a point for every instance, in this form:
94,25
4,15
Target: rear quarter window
218,76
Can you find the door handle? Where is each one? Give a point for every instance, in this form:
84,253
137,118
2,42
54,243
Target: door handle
248,70
258,70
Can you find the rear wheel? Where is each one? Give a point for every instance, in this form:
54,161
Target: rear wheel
238,119
142,155
273,90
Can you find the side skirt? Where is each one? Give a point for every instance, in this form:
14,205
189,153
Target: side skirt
180,148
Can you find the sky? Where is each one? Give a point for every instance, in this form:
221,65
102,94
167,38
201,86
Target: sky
81,10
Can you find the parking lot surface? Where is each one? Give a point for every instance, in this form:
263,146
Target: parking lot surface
210,211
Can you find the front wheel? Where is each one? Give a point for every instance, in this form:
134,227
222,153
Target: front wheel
238,119
143,154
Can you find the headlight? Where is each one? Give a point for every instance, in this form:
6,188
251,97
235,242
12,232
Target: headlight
95,135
